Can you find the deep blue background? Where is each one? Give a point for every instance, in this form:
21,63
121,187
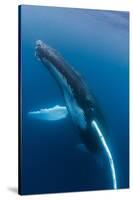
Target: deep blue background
96,44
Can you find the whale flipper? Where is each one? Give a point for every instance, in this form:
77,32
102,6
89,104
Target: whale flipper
50,114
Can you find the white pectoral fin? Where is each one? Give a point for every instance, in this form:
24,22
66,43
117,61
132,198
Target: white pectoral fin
50,114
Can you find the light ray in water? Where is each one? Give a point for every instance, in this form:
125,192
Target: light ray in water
95,125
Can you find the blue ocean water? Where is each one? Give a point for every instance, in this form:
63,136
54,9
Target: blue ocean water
96,44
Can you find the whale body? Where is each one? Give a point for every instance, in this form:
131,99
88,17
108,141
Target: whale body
80,103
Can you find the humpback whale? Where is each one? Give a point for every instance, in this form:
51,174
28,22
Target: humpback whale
80,104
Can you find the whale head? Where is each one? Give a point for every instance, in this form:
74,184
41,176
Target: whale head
41,49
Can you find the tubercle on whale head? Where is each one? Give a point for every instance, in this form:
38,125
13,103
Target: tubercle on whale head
41,49
41,44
